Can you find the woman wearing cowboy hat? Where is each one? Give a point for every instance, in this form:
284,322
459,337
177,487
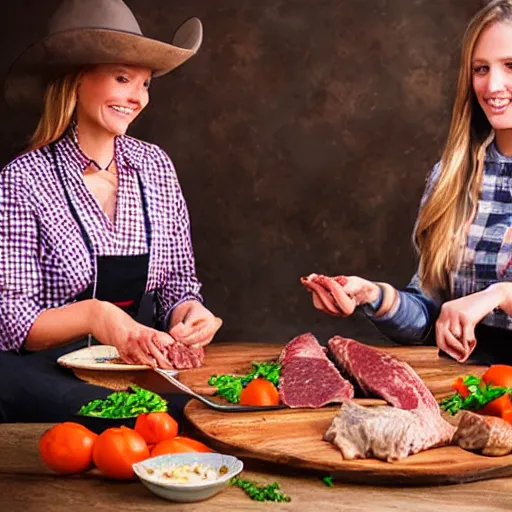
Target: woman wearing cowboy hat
91,219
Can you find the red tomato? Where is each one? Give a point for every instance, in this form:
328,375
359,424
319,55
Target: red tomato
499,375
259,392
156,426
497,406
67,448
461,388
116,449
179,444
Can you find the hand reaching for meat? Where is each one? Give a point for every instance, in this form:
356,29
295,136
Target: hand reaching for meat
340,295
193,325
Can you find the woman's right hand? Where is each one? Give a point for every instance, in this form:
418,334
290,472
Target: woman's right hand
136,343
340,295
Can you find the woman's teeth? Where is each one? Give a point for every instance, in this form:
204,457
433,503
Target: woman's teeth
498,102
123,110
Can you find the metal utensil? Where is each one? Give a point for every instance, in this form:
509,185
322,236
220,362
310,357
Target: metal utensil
170,375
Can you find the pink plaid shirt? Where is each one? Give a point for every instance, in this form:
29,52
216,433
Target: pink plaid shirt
44,262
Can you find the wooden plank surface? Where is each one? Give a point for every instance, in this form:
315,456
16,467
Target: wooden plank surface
294,437
26,485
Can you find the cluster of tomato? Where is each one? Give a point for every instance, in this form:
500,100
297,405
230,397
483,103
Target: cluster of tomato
70,448
497,375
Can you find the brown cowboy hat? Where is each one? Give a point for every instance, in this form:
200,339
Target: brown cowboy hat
94,32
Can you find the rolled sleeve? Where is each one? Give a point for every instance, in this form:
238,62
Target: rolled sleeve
180,282
20,272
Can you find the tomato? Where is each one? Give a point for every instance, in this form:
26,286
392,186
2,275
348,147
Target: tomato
507,415
67,448
116,449
497,406
499,375
156,426
461,388
179,444
259,392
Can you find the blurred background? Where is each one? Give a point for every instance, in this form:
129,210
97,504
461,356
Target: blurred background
302,133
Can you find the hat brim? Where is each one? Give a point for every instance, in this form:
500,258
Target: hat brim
62,52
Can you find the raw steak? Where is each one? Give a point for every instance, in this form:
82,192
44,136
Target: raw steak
486,434
385,432
183,357
308,378
382,374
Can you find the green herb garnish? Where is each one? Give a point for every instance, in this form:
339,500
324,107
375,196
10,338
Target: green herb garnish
327,480
480,394
270,492
125,404
230,386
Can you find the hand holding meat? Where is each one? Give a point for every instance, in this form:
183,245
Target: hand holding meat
193,325
136,343
455,327
339,295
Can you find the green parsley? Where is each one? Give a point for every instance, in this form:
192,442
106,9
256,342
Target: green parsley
230,386
125,404
480,394
270,492
327,480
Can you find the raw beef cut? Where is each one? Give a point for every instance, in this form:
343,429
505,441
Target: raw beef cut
486,434
382,374
308,378
184,357
385,432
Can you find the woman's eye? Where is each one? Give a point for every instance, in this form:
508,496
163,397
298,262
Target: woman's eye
122,79
480,70
147,83
509,65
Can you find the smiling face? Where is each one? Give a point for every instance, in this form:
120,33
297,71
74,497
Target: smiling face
111,96
492,74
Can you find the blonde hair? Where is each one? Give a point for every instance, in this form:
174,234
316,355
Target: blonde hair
440,229
58,108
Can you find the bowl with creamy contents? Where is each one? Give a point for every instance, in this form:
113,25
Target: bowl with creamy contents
187,477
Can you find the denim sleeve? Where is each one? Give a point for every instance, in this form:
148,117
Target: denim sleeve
411,321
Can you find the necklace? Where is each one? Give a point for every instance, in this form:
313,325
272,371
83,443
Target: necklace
107,168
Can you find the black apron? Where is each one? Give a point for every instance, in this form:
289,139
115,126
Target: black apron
33,387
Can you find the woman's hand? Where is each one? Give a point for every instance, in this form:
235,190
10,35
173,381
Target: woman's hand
340,295
136,343
192,324
455,327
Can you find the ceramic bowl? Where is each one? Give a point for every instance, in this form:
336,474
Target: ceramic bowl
186,493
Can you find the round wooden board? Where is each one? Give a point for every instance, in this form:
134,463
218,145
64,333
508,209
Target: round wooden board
293,437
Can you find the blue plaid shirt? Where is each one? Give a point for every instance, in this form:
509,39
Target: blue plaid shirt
485,259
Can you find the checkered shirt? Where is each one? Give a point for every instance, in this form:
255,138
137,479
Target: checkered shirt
44,262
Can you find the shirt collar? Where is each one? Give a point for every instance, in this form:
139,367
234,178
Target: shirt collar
494,156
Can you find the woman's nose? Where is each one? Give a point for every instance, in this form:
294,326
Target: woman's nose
496,82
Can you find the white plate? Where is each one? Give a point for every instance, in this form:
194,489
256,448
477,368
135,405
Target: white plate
97,357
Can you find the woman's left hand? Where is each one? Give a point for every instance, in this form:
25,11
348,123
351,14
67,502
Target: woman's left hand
455,327
192,324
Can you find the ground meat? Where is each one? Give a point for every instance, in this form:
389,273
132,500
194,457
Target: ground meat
383,375
308,378
385,432
486,434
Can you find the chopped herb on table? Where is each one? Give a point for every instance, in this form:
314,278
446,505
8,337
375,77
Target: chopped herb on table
327,480
270,492
230,386
472,394
125,404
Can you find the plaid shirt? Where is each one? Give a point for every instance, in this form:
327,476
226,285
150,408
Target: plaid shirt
485,259
44,262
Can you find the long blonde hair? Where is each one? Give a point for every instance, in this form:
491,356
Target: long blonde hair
440,228
58,108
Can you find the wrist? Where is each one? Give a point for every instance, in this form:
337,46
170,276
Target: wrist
499,294
97,311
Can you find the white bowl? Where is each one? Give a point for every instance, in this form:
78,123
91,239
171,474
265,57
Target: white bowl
187,492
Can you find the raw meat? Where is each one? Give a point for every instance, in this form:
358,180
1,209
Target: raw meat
308,378
383,375
184,357
486,434
385,432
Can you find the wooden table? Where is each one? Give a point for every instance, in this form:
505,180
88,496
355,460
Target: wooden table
27,485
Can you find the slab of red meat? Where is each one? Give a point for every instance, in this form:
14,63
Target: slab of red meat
184,357
381,374
308,378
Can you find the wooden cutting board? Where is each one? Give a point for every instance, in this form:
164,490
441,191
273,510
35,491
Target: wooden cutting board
293,437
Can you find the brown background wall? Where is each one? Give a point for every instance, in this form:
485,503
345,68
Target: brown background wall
302,133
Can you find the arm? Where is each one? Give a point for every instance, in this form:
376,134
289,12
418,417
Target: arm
180,284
